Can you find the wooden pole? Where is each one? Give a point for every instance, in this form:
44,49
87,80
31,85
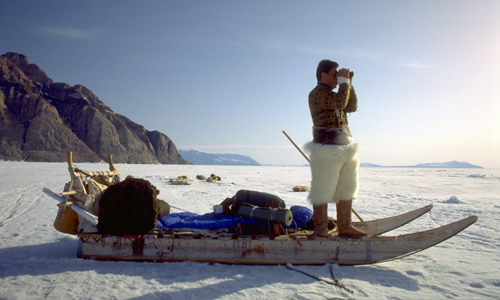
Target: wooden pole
307,158
110,162
357,214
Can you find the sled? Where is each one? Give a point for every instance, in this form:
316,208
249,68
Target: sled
380,226
264,250
223,247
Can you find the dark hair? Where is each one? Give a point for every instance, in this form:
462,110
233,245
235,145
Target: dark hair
325,66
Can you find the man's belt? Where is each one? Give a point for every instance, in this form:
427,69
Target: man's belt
332,136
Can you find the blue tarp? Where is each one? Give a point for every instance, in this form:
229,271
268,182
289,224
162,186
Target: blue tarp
301,215
192,220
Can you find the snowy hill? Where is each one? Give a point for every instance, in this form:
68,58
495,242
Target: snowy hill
204,158
446,165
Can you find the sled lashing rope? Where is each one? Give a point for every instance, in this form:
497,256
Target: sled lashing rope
336,282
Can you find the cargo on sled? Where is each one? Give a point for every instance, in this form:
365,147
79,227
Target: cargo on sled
113,222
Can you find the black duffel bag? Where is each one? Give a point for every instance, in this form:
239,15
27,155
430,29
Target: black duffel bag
232,205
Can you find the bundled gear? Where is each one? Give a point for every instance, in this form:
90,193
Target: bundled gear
66,220
128,207
265,214
263,208
232,205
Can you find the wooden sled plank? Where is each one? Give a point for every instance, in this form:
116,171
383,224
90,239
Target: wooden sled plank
80,173
76,173
385,248
380,226
263,250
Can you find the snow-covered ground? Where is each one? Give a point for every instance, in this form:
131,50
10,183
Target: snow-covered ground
38,262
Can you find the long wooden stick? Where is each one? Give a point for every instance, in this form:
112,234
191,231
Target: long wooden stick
307,158
110,162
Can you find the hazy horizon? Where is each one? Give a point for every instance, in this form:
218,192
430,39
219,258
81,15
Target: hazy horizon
363,164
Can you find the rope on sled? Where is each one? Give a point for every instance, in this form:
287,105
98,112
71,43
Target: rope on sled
78,170
336,282
334,298
273,219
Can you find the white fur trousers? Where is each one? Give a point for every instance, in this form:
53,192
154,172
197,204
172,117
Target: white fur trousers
334,170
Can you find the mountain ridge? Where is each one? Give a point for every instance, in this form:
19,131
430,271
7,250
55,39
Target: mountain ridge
445,165
198,157
40,120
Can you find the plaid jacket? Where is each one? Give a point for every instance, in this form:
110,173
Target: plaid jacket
324,103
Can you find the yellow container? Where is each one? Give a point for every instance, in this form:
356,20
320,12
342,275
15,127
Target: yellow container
66,219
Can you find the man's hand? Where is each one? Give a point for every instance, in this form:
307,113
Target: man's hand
344,73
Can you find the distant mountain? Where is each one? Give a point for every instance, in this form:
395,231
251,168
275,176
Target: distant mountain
450,164
446,165
203,158
369,165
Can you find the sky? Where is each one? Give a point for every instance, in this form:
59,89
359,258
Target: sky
229,76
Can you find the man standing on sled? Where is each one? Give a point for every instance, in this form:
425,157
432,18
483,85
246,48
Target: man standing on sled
333,155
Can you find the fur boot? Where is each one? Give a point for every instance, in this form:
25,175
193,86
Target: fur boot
320,218
344,222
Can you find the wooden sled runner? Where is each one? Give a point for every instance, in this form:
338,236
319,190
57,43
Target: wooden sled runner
263,250
226,248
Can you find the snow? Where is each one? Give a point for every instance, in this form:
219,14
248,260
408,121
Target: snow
453,200
38,262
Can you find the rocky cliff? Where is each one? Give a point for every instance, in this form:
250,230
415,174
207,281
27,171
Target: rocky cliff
41,120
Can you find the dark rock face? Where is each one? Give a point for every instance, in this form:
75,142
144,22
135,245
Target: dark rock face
41,120
32,71
165,149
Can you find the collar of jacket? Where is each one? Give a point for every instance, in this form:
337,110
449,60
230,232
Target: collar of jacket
326,85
